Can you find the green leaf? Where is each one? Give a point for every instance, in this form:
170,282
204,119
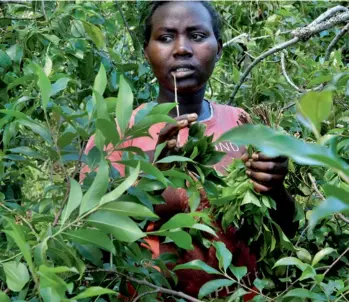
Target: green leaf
273,143
17,235
59,85
75,197
197,265
5,60
308,272
148,121
211,286
93,291
45,87
290,261
123,228
26,151
109,130
260,284
17,275
181,220
336,201
319,255
91,236
314,107
181,238
100,82
124,105
95,34
147,168
98,188
126,208
4,297
194,198
223,255
174,158
21,81
237,294
204,228
238,271
158,150
164,108
117,192
305,293
15,52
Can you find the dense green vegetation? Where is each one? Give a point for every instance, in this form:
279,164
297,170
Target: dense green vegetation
69,69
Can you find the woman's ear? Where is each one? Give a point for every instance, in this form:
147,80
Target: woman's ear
219,50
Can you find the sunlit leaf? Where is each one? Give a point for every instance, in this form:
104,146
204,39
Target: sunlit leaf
212,286
17,275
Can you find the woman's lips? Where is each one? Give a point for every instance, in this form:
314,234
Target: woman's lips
182,72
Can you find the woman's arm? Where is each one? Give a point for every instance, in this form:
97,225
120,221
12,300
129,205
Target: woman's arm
268,175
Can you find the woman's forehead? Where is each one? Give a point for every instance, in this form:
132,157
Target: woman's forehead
184,14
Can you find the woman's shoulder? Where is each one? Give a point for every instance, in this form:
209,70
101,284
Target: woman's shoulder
226,112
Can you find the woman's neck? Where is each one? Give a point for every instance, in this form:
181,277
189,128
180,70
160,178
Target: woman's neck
188,103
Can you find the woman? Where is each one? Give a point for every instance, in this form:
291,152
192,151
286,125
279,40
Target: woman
182,40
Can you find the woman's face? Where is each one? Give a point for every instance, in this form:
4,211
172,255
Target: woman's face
182,43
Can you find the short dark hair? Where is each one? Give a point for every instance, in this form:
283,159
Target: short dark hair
154,5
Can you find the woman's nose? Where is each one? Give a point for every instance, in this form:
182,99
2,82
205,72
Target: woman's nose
182,47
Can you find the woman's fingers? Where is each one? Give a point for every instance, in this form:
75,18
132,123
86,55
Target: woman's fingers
259,188
266,178
262,157
170,131
268,166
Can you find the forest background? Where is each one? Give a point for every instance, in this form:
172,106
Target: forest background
65,68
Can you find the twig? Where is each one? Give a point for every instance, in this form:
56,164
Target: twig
341,216
322,197
259,59
23,219
65,199
300,34
18,19
146,283
300,90
134,40
334,263
243,35
316,189
144,294
335,41
43,9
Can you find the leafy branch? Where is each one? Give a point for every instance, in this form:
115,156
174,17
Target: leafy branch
300,34
146,283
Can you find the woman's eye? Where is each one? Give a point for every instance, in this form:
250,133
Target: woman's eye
165,38
197,37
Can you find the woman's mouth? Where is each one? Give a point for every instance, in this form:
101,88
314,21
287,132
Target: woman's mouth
182,71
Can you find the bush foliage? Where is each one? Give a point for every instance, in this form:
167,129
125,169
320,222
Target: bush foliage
68,70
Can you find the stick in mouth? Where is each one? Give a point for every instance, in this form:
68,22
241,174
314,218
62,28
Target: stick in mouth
176,101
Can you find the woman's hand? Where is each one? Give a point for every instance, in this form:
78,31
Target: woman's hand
169,133
266,173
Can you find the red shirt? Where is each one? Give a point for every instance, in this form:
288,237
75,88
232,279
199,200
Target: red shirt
222,119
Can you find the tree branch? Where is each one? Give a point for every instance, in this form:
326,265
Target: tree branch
146,283
335,41
144,294
288,79
259,59
134,39
300,34
329,13
243,35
